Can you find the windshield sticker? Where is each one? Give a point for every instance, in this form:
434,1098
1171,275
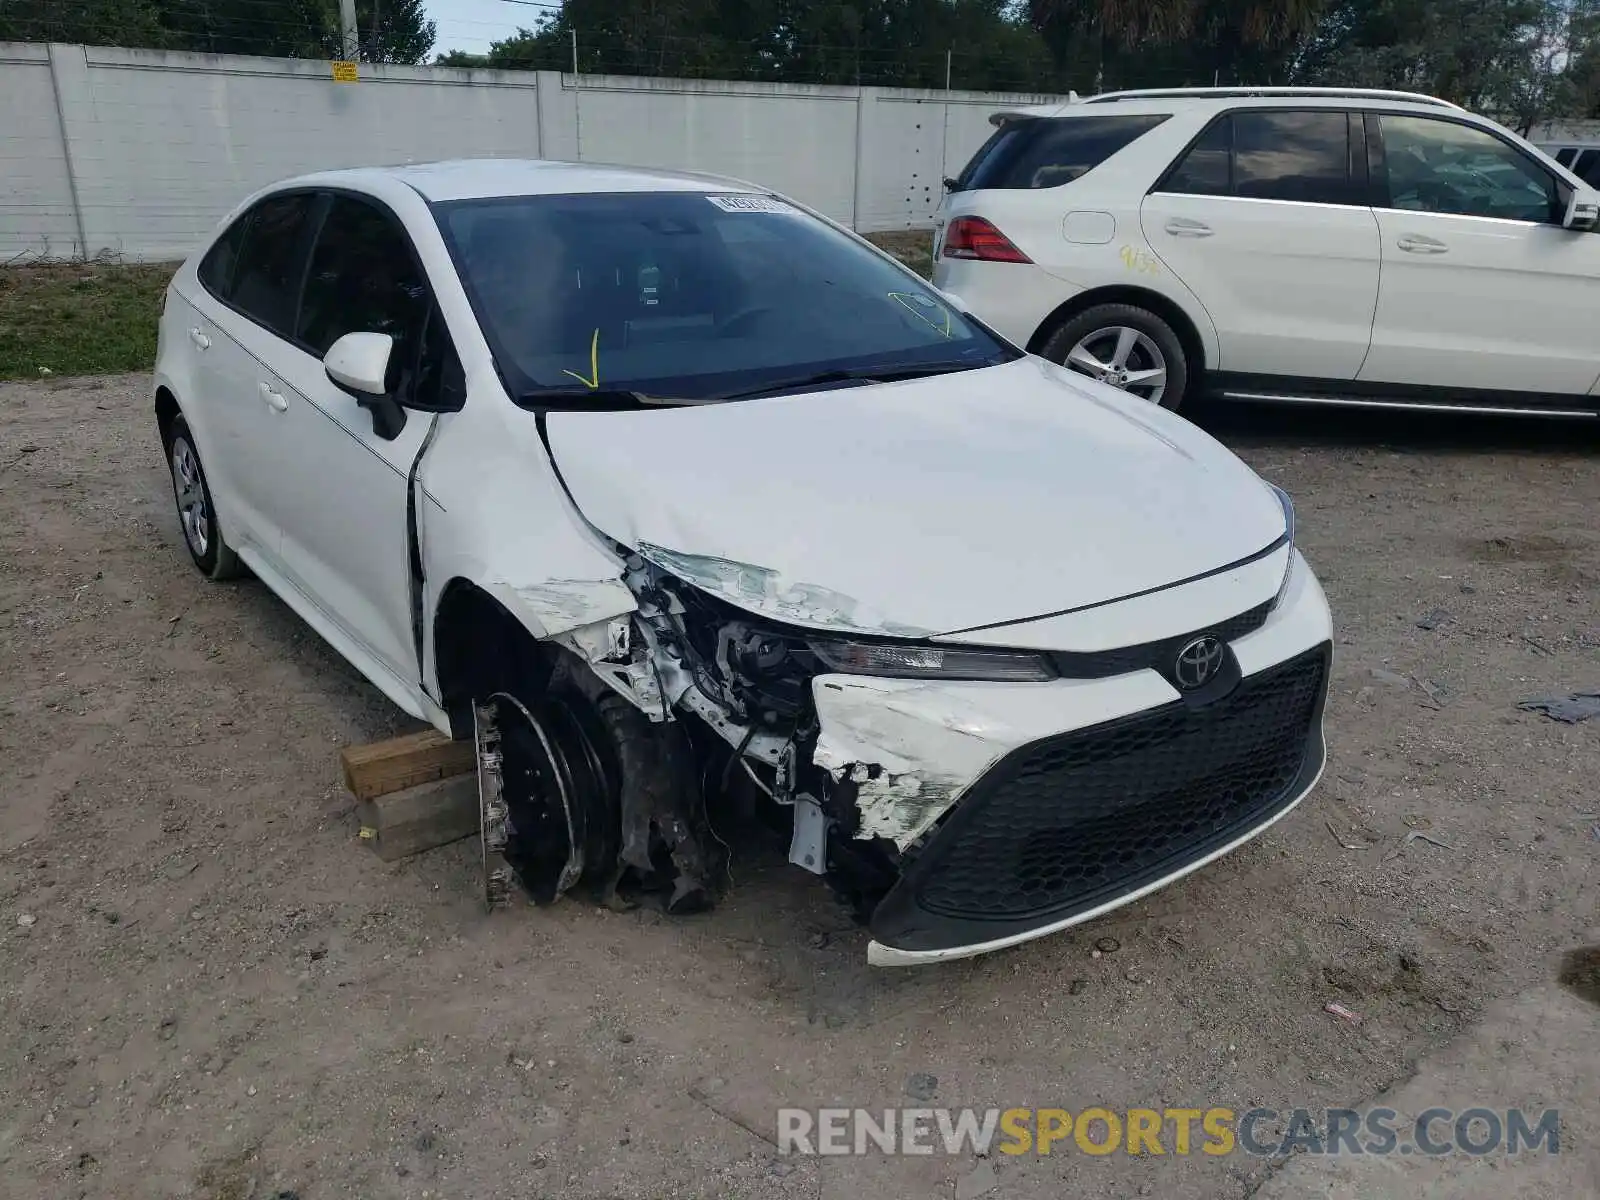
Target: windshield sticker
934,316
749,204
592,380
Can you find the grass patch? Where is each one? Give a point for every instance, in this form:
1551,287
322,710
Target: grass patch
79,318
914,247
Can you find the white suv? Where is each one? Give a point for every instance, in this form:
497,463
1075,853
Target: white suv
1320,246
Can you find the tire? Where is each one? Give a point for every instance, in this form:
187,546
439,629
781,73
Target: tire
197,514
1098,333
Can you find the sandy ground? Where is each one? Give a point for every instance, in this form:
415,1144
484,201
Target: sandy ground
209,988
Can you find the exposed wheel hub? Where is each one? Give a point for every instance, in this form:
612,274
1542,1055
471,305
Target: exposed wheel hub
548,803
573,792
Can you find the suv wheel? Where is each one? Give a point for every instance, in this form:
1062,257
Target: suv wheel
1127,347
196,513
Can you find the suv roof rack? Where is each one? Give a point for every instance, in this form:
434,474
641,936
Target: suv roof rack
1225,93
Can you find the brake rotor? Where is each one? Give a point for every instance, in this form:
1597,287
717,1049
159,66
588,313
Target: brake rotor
548,805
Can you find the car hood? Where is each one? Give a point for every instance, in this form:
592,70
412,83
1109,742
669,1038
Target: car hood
920,508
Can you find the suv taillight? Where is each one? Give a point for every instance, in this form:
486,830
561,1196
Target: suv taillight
976,238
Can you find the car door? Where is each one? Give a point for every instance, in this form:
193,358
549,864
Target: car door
248,287
1265,219
345,487
1482,288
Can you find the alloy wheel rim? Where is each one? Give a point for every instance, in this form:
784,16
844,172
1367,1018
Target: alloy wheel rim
190,490
1123,357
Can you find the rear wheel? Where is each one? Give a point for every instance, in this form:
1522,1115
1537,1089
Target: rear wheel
1128,347
196,513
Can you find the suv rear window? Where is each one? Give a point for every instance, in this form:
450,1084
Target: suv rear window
1043,152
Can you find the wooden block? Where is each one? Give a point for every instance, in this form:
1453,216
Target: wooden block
399,824
381,767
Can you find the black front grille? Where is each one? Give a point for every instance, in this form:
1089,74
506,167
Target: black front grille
1069,823
1159,656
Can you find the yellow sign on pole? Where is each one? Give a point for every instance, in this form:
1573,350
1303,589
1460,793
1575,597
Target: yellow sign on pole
345,72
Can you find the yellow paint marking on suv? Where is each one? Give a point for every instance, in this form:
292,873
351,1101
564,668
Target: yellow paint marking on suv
1140,260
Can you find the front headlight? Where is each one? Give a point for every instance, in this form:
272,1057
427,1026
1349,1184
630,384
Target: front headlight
1288,524
907,661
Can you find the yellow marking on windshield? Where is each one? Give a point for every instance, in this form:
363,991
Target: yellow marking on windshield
592,380
910,303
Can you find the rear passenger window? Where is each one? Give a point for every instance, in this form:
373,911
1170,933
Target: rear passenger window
1566,157
1049,152
266,282
1207,170
1302,156
216,268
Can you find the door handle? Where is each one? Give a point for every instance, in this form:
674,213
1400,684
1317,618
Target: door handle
275,400
1415,243
199,339
1183,227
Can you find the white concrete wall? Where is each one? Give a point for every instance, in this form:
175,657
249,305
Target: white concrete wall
139,152
1566,133
36,205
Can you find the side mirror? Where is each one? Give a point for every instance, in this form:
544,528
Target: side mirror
1583,210
359,364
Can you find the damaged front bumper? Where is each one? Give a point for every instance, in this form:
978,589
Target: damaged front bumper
1024,810
955,816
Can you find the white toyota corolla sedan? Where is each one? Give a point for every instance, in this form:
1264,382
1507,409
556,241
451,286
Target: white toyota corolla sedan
684,500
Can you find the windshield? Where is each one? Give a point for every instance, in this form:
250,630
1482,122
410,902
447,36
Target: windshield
690,296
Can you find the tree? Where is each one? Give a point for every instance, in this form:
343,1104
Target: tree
905,43
1583,71
390,30
460,58
90,22
1518,60
394,31
1154,43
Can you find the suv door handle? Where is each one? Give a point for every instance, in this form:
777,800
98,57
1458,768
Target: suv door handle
199,339
1184,227
1415,243
275,400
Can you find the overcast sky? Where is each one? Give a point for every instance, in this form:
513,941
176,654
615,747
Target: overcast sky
471,25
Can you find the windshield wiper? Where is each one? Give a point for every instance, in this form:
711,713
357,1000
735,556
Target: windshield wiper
883,374
597,398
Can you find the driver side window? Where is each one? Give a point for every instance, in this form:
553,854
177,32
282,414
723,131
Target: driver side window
1445,167
363,279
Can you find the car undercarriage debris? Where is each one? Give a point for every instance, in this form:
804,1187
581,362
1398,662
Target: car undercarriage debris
690,701
748,681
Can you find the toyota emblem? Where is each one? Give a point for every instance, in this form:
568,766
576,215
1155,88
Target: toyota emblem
1198,663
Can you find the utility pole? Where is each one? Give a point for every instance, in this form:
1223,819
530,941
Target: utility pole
577,100
347,26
